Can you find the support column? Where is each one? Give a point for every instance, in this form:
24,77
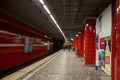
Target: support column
75,43
113,73
90,41
117,53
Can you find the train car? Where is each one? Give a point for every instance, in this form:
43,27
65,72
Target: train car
20,43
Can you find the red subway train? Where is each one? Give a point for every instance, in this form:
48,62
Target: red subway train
20,43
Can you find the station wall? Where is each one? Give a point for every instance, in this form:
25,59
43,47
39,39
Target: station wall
103,34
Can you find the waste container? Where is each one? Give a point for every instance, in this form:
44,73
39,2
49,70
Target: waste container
72,48
76,51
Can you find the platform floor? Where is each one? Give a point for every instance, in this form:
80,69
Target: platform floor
64,66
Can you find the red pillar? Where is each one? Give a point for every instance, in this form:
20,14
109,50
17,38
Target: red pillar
113,42
81,44
90,41
117,34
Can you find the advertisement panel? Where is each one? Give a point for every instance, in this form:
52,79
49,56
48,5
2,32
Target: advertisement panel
28,45
105,53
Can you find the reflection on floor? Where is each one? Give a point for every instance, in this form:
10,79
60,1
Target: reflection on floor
67,66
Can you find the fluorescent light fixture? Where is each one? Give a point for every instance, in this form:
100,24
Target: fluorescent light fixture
46,9
117,9
53,19
76,35
58,26
72,39
45,44
46,36
79,32
86,24
41,1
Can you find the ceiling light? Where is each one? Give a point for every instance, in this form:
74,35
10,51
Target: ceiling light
117,9
86,24
53,19
46,9
46,36
58,26
41,1
72,39
76,35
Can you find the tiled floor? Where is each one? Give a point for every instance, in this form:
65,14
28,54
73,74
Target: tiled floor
67,66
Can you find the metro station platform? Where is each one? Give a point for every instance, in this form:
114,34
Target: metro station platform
62,65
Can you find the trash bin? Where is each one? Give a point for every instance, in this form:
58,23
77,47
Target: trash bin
76,51
72,48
